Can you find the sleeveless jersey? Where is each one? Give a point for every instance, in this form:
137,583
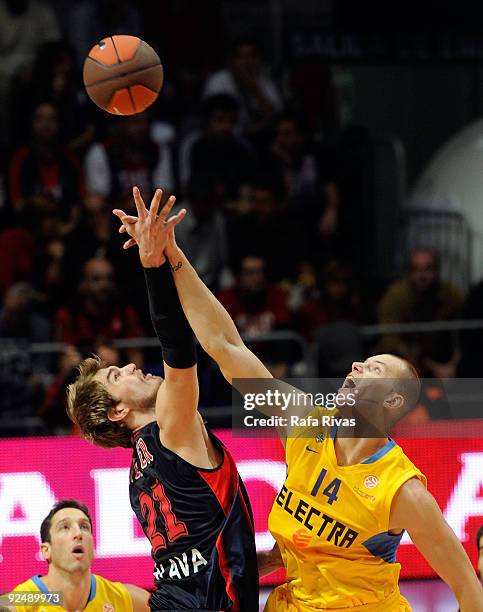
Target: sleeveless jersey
331,523
104,596
200,526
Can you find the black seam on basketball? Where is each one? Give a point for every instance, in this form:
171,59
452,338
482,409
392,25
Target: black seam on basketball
119,61
125,74
132,100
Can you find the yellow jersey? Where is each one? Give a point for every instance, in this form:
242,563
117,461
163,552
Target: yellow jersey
105,596
331,524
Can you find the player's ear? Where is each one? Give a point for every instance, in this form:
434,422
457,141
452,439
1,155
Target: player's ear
118,412
46,551
394,400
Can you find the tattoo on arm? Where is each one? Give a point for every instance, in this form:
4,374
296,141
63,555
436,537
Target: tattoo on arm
177,266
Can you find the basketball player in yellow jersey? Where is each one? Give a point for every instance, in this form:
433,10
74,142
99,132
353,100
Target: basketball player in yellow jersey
67,546
346,501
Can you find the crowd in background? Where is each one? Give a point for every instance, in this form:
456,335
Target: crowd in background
264,169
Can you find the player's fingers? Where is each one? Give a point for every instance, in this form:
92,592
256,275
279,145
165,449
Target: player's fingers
155,202
175,219
167,207
129,243
140,207
119,213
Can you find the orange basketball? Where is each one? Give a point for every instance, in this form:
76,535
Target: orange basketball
123,74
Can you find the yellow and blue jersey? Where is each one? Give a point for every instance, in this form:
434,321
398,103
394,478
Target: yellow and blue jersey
105,596
331,523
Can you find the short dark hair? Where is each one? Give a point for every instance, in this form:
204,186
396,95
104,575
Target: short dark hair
219,103
479,535
60,505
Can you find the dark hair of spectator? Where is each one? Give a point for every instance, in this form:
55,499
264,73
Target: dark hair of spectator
219,103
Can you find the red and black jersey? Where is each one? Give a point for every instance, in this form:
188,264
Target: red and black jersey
200,526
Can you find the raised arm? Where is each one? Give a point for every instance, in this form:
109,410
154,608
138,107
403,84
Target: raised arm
177,398
416,510
211,323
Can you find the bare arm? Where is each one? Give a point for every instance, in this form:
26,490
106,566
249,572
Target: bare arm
416,510
177,399
139,598
211,323
269,560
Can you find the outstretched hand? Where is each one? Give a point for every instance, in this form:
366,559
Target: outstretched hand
149,230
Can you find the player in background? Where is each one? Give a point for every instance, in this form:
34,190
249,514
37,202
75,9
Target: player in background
347,500
67,545
184,486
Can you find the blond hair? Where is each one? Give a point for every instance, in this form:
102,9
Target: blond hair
88,406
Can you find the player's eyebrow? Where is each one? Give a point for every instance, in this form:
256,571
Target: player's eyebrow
375,361
109,373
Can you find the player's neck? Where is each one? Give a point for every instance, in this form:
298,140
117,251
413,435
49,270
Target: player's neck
351,451
137,420
75,588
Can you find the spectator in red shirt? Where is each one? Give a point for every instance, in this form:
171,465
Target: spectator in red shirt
98,314
45,168
255,305
259,307
335,299
130,157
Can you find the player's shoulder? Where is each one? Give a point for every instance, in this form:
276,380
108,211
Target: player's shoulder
27,586
112,590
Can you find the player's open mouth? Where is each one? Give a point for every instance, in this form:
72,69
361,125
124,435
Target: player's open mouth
78,551
349,383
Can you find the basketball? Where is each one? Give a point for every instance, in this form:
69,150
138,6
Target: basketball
123,75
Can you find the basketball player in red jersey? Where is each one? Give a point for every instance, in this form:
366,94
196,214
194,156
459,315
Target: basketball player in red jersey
184,486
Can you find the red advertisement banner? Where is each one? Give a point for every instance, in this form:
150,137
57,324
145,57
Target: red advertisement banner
36,472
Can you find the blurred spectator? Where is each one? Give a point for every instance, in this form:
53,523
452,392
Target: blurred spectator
312,93
130,158
257,95
45,168
202,234
190,57
471,340
259,307
18,318
335,300
53,408
260,221
88,21
216,148
95,236
24,26
309,179
98,313
5,213
23,376
422,296
255,305
295,158
55,79
34,251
